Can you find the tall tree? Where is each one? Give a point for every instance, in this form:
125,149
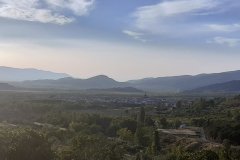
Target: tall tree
141,116
138,136
155,143
164,122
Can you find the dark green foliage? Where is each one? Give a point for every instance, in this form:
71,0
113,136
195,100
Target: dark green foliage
73,130
142,156
95,148
112,131
164,122
155,147
179,104
24,145
236,116
104,122
138,136
177,124
125,134
130,124
149,121
220,130
225,154
200,122
201,155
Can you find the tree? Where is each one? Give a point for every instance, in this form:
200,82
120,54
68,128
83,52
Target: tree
200,155
125,134
28,145
130,124
164,122
179,104
112,131
86,147
226,150
138,156
149,121
208,155
138,136
142,156
236,116
155,144
177,123
104,122
141,116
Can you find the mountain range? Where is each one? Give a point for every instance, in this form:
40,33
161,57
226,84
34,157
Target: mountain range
49,80
16,74
69,83
227,87
6,86
185,82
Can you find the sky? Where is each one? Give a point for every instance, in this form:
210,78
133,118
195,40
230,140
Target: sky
120,38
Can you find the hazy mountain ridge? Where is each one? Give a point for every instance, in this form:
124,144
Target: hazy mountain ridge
227,87
97,82
185,82
16,74
6,86
160,84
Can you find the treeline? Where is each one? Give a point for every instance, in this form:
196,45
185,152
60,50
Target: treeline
63,133
74,136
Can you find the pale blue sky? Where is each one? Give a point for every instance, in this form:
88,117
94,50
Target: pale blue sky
120,38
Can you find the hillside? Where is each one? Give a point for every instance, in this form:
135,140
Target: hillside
49,80
5,86
185,82
227,87
97,82
17,74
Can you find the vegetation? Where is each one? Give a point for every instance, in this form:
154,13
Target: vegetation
37,126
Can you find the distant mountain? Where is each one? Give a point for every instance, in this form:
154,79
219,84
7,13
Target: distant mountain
17,74
97,82
185,82
6,86
227,87
49,80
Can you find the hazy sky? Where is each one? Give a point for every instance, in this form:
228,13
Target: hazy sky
124,39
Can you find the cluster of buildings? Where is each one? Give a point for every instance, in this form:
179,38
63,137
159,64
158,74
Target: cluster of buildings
135,100
160,103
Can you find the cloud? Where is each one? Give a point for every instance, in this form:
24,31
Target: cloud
175,7
231,42
44,11
158,18
174,20
224,27
135,35
79,7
